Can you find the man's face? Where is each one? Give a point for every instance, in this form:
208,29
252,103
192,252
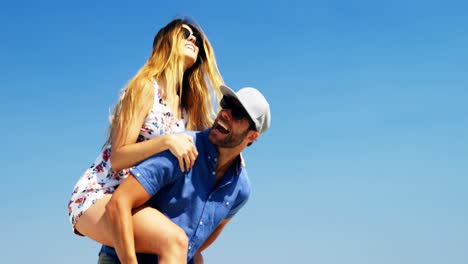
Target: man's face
230,128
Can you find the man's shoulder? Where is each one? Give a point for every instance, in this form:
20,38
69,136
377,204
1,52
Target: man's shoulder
244,180
200,138
192,133
195,134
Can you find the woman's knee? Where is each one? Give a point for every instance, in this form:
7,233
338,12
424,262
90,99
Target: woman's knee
176,243
182,240
157,234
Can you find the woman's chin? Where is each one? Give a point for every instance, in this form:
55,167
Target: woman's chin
189,61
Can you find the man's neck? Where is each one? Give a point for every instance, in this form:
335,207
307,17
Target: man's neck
227,156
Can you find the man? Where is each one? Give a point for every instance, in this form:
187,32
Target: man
202,200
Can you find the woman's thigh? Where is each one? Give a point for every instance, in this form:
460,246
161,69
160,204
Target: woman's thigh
151,228
92,224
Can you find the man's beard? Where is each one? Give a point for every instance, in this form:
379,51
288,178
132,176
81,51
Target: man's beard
233,140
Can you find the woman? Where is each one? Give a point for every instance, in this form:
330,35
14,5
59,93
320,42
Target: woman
168,94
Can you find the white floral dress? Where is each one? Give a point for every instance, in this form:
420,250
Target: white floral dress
100,179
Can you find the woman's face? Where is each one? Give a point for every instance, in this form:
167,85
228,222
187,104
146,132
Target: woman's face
190,46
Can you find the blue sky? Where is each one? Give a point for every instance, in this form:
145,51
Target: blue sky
366,159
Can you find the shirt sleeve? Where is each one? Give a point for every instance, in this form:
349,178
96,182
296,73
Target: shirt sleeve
157,171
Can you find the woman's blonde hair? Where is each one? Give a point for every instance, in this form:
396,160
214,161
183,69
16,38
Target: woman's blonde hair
166,62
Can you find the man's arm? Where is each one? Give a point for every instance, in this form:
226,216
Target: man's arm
211,239
130,194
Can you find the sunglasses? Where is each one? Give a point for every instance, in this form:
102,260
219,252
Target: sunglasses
238,112
187,34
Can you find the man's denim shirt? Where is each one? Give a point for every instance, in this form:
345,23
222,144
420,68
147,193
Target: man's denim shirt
191,199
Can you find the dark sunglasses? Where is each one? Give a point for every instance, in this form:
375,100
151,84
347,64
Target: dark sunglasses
238,112
187,34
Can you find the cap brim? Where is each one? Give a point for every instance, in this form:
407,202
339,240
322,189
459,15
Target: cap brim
229,92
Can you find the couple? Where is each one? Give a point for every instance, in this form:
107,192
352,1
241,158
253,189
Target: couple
173,204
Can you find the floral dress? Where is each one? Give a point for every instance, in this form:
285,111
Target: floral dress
100,179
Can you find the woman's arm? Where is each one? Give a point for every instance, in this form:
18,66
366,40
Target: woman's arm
181,146
127,153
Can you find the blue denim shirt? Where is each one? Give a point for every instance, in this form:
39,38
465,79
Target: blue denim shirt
192,199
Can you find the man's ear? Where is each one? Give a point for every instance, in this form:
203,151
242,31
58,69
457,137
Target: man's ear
253,135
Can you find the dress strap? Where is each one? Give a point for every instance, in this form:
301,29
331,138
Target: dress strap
157,90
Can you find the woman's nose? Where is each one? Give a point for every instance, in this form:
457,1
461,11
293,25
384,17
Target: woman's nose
192,39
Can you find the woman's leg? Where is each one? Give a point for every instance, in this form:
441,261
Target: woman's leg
154,232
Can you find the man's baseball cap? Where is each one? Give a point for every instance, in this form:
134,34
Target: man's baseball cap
254,103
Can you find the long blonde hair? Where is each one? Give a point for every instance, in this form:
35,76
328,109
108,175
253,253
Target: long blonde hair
166,62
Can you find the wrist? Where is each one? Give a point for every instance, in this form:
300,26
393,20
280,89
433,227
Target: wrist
168,139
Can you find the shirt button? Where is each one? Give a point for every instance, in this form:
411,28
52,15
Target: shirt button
213,173
216,160
209,157
227,203
201,222
138,174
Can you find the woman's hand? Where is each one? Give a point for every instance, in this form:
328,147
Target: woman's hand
182,146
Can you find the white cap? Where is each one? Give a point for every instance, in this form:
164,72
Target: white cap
254,103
